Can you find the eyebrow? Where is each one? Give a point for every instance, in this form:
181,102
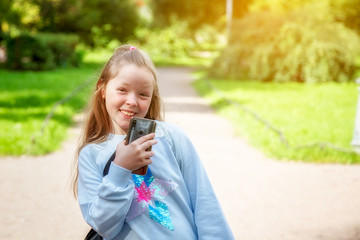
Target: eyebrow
146,85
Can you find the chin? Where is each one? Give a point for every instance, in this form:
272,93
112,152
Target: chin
121,126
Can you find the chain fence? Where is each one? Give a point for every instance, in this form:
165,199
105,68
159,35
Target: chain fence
279,133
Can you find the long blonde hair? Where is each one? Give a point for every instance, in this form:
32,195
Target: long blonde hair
98,124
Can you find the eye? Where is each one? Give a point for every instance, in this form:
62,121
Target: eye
145,95
121,90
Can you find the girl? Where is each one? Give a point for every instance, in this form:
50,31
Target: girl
175,199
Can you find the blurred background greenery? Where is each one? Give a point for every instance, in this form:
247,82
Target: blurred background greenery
291,63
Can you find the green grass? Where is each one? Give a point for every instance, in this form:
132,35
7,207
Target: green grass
306,114
26,99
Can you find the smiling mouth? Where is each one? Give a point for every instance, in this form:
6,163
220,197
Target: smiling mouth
126,113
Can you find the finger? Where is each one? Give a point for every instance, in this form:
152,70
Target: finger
148,155
148,162
148,144
145,138
145,163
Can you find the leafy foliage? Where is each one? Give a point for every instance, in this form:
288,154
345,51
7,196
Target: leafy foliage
304,45
110,19
25,52
90,19
195,13
176,45
347,12
241,7
7,15
169,42
344,11
41,51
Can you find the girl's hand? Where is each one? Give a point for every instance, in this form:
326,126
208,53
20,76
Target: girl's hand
134,155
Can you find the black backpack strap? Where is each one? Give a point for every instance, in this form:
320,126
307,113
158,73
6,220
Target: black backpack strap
107,166
92,235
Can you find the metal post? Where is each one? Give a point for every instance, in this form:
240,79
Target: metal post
356,140
229,13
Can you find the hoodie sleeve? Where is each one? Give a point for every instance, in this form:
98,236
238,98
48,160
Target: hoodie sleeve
104,201
209,218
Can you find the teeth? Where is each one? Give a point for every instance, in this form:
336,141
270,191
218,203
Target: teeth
128,113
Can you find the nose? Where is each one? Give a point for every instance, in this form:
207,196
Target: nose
131,100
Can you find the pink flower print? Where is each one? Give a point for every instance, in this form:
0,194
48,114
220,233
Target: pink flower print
148,196
144,193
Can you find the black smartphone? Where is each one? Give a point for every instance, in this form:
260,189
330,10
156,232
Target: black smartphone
139,127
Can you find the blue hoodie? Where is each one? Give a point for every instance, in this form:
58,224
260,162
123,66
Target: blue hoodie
174,200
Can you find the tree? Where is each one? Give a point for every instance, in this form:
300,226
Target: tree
8,16
344,11
196,13
347,12
107,19
302,45
240,8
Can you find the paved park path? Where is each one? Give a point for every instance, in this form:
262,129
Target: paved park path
263,199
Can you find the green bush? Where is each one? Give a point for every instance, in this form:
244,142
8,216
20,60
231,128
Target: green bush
177,45
172,42
299,46
63,47
42,51
25,52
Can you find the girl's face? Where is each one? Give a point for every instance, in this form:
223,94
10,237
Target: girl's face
127,95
